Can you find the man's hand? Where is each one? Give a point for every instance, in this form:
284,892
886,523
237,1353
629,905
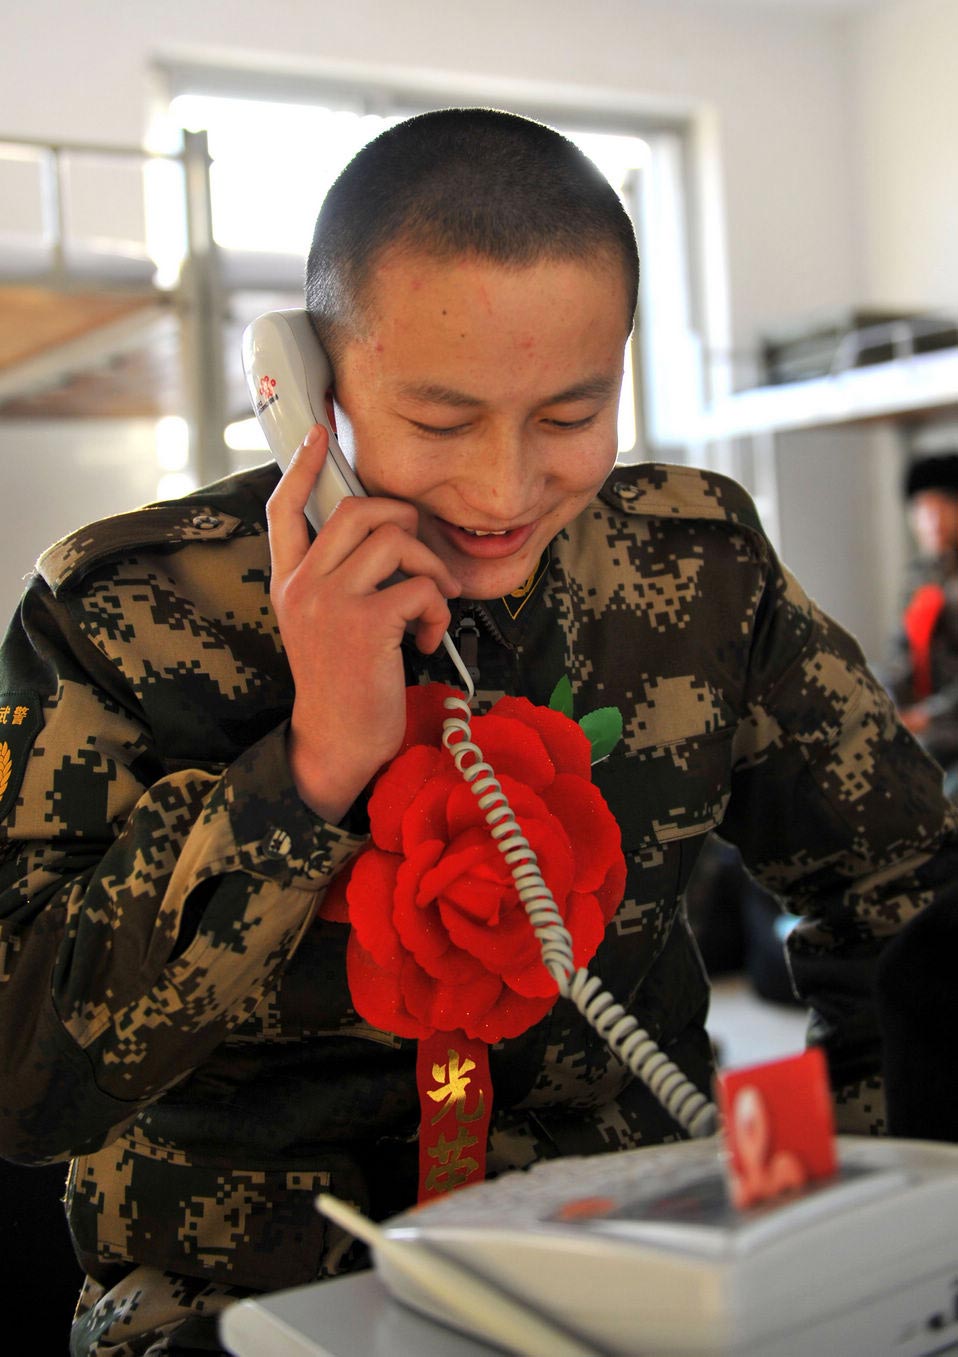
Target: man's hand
342,633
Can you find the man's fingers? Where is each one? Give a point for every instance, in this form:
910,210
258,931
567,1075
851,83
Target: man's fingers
377,546
288,532
364,544
416,603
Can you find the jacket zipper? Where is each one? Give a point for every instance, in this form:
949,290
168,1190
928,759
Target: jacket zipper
467,637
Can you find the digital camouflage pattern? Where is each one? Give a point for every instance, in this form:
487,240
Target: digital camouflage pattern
175,1017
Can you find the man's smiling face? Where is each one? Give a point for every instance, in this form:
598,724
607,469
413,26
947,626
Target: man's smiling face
486,396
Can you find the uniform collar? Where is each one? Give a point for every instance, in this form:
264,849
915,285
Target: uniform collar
515,603
511,613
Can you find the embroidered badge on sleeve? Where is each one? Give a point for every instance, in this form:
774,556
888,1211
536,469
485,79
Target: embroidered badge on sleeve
21,719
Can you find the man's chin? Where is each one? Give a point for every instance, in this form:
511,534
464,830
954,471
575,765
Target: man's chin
483,585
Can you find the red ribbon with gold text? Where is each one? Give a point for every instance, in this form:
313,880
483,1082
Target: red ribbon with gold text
455,1102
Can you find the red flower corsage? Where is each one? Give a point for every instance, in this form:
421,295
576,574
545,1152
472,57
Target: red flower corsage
440,941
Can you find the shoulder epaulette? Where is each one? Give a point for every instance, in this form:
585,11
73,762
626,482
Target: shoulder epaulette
665,491
155,525
199,517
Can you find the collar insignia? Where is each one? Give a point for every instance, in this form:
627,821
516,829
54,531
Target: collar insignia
517,600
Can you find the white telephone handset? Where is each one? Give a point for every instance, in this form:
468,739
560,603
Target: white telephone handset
288,376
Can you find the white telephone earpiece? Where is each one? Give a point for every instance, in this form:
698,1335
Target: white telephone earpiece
288,376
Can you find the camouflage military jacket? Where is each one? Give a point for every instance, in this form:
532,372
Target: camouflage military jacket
172,1012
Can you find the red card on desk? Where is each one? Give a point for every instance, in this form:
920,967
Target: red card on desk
779,1128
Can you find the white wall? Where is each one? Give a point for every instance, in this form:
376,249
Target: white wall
836,487
57,476
828,130
776,81
842,527
905,142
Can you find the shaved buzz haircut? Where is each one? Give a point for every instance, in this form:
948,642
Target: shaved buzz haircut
461,181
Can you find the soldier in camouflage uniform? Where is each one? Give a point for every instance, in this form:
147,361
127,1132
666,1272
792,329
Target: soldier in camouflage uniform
174,1014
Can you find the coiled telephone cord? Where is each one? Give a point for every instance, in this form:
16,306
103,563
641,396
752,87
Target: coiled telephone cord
621,1032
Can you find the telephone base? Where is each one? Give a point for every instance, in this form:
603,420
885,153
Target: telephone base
642,1253
866,1266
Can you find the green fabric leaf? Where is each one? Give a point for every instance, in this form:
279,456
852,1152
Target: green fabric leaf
604,729
561,699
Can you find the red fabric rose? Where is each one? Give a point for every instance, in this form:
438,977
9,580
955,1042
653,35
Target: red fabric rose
440,939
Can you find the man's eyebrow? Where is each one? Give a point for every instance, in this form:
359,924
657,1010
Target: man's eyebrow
592,388
434,393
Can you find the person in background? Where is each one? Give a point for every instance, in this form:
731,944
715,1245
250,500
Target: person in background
922,672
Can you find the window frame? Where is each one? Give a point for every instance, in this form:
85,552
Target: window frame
670,378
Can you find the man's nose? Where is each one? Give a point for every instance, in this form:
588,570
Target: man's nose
504,480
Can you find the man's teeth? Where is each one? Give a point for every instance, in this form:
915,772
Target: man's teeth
481,532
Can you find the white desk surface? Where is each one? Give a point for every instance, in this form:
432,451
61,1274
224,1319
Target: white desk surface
350,1317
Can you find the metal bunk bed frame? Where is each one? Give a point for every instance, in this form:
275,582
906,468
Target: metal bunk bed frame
197,300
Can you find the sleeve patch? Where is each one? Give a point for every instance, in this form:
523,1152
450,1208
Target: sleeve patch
21,720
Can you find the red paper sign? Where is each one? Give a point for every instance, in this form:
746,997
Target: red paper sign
779,1126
